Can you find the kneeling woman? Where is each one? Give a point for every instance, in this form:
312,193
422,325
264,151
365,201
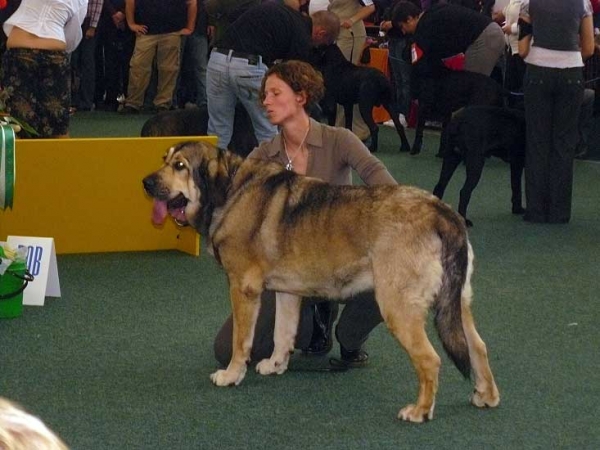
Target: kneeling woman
310,148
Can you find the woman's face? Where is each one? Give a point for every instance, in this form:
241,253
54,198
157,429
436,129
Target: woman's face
281,102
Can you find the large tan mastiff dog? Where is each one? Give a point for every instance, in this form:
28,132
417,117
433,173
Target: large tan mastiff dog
273,229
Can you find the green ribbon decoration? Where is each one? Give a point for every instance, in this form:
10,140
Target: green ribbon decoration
7,166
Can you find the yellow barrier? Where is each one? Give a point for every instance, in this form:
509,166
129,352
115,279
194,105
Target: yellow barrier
87,194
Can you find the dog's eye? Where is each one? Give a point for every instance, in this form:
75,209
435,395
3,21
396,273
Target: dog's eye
178,165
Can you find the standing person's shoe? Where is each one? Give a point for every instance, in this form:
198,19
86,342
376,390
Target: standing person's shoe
129,110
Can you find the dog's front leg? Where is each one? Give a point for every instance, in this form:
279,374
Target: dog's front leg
245,312
287,316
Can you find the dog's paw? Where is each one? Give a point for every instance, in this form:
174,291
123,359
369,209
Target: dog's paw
405,147
228,377
486,399
416,149
270,366
517,209
415,414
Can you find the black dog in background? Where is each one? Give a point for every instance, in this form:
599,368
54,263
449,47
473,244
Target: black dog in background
446,91
474,134
347,85
194,122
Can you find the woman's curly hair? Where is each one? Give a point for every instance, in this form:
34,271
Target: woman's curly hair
301,77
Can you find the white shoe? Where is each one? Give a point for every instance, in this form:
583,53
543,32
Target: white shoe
389,123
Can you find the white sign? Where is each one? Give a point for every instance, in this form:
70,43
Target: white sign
41,263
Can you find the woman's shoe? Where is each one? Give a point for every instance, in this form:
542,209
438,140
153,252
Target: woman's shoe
321,341
350,358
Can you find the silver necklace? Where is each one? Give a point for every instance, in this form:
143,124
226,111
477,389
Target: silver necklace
290,164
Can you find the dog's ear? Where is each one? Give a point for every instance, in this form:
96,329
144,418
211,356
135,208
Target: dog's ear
213,180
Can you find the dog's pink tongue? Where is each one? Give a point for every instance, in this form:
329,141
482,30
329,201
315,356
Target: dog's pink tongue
159,212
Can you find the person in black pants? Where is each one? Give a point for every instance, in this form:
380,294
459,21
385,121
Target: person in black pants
554,91
113,52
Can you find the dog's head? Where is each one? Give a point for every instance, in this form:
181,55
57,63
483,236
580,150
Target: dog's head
327,58
192,182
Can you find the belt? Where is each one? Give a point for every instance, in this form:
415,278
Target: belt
253,60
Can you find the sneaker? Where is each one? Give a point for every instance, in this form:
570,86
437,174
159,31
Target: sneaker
389,123
129,110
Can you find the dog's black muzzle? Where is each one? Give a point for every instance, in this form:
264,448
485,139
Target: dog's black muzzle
151,184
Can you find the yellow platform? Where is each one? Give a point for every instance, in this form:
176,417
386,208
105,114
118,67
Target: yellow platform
87,194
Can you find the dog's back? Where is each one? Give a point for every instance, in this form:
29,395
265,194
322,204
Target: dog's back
346,82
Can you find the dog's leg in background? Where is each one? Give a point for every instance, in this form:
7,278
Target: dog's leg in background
418,142
443,136
405,145
450,163
365,107
287,316
474,162
486,392
245,304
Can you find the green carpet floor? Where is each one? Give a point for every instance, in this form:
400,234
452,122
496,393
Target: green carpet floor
122,360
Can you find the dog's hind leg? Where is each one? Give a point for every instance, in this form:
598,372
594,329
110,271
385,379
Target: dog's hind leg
443,138
405,145
404,306
365,106
418,142
245,305
450,163
474,161
287,316
486,392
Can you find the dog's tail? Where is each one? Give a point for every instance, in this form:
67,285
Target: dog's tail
456,273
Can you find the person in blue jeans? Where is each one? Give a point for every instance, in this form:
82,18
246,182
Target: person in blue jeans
263,34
